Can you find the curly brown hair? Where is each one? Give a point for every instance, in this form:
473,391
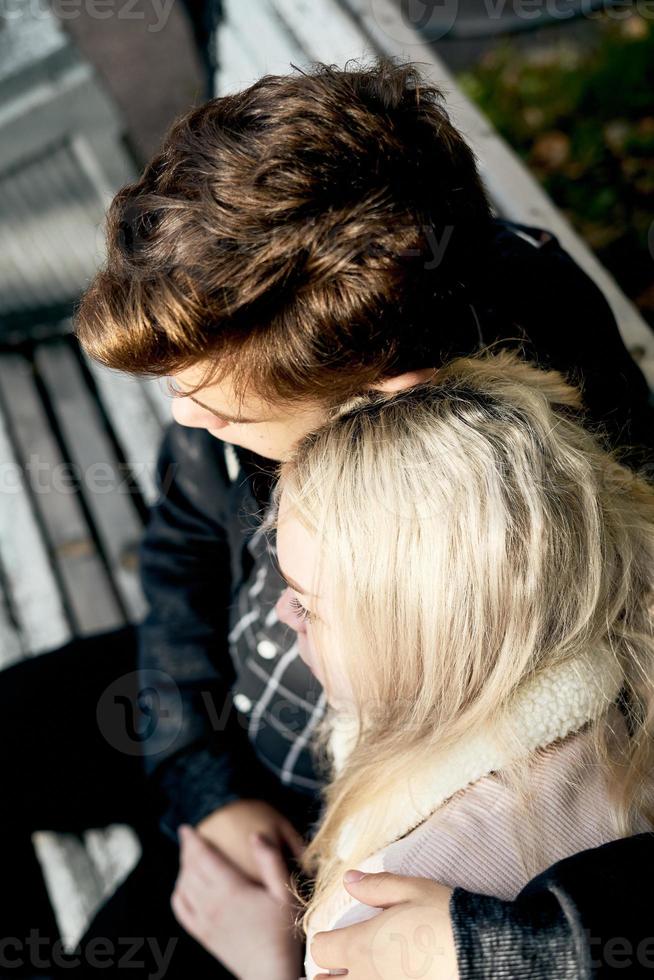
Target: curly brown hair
286,235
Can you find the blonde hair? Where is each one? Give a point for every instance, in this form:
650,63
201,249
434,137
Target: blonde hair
474,534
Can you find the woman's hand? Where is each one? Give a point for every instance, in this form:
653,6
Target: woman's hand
412,937
230,831
248,927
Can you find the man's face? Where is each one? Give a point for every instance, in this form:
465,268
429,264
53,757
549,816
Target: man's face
267,429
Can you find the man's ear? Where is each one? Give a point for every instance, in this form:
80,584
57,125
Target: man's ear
407,380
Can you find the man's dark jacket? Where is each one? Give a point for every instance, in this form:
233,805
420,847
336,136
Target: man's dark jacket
195,559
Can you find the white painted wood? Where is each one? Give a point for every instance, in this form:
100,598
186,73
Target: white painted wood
238,69
161,401
11,647
325,31
33,590
134,421
88,589
73,881
54,106
79,874
264,35
513,190
115,851
82,872
103,482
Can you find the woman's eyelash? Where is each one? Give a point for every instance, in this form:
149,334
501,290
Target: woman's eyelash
301,610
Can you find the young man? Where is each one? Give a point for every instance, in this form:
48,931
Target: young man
289,246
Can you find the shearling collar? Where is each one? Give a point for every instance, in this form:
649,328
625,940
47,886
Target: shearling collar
554,704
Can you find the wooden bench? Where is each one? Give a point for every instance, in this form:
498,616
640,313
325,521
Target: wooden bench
67,561
78,446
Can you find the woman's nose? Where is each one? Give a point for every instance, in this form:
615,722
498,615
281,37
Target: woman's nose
189,413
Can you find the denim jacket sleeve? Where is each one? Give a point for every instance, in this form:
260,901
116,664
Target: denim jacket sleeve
585,918
198,755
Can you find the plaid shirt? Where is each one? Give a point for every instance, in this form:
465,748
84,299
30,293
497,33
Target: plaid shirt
274,689
237,707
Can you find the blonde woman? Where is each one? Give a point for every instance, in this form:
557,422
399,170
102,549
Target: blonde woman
470,577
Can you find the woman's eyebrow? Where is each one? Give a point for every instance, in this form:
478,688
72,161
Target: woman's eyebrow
220,415
293,585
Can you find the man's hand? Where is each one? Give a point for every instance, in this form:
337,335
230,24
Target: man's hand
230,829
247,927
412,937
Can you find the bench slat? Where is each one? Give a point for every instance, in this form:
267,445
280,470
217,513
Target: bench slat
154,389
114,851
11,647
325,31
33,591
256,21
103,481
82,872
135,422
87,586
73,882
237,67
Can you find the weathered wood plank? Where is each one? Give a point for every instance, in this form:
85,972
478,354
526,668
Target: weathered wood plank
33,589
325,31
237,68
11,647
73,882
114,851
134,421
264,35
104,483
155,390
87,586
82,872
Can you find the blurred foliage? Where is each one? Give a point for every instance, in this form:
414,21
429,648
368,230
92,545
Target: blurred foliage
582,117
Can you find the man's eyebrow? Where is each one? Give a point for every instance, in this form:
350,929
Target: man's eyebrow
220,415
